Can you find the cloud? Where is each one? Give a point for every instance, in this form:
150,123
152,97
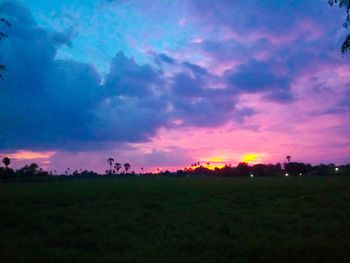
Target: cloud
127,78
195,69
225,50
186,86
267,46
52,103
259,76
162,58
61,104
255,76
279,18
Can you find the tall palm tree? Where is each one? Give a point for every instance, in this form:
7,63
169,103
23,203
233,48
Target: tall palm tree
110,162
117,166
127,167
7,162
288,158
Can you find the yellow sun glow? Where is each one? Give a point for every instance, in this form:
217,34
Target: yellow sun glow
216,160
251,158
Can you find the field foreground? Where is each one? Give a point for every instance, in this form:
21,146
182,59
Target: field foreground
176,220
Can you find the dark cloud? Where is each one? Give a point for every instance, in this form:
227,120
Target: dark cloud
163,58
273,42
127,78
200,112
131,119
280,96
61,104
185,85
65,104
279,18
258,76
225,50
196,103
195,69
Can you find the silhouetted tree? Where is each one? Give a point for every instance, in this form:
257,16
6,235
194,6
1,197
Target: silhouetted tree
29,171
344,4
242,169
127,167
7,172
110,162
201,171
6,162
288,157
117,166
295,168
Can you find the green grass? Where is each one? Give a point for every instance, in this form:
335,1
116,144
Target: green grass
176,220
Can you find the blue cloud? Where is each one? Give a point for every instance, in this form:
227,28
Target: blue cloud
273,16
187,86
256,76
163,58
55,103
128,78
61,104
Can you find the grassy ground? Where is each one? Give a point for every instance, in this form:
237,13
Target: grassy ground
176,220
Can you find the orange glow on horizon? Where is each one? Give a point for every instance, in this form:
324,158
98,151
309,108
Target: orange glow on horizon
29,155
210,163
213,166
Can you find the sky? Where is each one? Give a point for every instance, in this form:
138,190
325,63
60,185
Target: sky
166,83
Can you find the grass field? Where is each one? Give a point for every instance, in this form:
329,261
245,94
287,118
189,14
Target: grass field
176,220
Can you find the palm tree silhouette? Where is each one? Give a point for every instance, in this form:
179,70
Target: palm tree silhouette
127,167
288,158
7,162
117,166
110,162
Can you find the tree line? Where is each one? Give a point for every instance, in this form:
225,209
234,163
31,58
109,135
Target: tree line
287,169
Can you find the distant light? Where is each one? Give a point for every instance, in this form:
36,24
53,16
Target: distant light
300,174
287,175
336,169
252,175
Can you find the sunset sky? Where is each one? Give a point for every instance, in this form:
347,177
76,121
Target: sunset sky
166,83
